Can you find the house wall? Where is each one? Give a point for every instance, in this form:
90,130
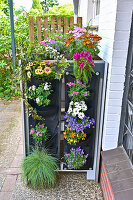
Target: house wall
114,27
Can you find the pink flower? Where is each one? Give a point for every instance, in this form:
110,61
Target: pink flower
32,131
70,84
74,93
76,56
43,131
81,65
40,125
85,94
48,38
78,82
40,134
43,43
84,85
52,40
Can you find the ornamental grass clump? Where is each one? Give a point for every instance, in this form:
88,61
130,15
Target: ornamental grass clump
40,133
78,91
76,158
39,169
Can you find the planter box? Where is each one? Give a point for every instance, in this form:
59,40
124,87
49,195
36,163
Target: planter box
52,114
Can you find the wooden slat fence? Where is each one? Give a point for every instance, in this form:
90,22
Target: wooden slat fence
52,26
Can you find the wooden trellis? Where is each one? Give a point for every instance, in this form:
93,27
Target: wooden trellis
51,26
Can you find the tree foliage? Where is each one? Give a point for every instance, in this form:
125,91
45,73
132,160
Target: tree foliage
64,10
47,4
36,5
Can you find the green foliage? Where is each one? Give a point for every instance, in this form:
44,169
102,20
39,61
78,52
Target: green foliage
78,91
36,4
40,94
19,11
4,6
46,4
64,10
35,12
39,169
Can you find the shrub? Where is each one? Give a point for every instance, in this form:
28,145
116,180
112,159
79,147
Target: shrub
39,169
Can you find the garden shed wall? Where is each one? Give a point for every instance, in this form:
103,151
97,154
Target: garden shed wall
114,22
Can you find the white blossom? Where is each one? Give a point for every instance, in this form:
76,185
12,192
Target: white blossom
81,115
84,107
37,100
33,87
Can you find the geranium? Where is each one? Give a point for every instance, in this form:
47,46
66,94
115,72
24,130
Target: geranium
40,133
83,66
40,94
76,158
76,124
78,91
73,137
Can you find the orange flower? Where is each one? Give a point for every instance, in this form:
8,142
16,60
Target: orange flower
88,43
72,135
96,37
84,135
68,41
65,136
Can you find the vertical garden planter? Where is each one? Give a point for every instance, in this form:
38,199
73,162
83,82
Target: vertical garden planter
52,115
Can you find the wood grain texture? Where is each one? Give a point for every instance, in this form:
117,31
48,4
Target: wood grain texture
39,34
31,28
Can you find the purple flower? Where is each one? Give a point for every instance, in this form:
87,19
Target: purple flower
76,56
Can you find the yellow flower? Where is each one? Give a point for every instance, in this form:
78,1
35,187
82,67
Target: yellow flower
71,140
9,79
68,128
75,141
77,135
40,71
36,71
40,68
65,133
47,70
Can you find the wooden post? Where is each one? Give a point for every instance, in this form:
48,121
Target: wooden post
65,24
45,27
31,28
52,24
71,21
59,24
79,21
39,35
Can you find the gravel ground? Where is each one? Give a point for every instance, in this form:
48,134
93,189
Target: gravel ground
71,186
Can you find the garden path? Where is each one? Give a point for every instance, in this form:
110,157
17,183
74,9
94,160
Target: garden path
71,186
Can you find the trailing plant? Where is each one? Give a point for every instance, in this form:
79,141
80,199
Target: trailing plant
39,169
83,66
73,136
40,94
78,91
76,158
40,133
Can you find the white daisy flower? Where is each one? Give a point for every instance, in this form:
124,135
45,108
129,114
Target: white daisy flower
76,111
84,107
69,110
37,100
73,114
29,88
76,104
82,102
71,103
81,115
33,87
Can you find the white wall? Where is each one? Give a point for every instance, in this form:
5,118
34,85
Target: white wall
114,28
